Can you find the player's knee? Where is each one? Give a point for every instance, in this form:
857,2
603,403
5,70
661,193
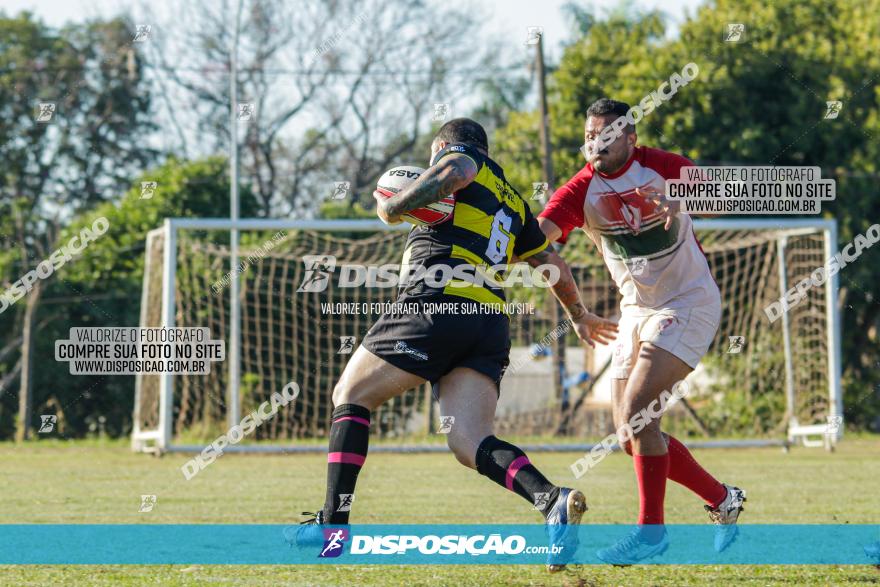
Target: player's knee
464,451
465,458
636,427
640,429
362,395
341,394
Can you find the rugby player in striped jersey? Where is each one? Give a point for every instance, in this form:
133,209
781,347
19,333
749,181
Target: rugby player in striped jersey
464,354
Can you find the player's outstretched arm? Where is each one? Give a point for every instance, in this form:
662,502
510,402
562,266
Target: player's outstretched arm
450,174
589,327
550,229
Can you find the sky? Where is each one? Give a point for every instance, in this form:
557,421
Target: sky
507,17
520,14
505,21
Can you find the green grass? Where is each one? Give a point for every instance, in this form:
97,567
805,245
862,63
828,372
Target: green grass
95,482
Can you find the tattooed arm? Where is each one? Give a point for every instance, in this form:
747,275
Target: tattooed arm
589,327
565,289
450,174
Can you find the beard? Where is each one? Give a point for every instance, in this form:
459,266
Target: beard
609,163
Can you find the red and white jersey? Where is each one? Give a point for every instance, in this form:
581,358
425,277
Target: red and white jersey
653,268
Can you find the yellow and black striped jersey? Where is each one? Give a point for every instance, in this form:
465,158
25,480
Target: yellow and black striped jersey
491,223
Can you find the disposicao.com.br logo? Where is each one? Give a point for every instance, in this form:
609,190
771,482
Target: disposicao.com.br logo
476,545
334,542
319,271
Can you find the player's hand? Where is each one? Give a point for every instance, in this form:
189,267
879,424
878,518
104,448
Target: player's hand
380,209
591,327
669,209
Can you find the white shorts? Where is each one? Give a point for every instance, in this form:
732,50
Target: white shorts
687,333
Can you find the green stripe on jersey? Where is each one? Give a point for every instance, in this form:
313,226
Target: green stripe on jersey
649,243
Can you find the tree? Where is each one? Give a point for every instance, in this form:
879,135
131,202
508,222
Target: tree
341,90
102,286
757,102
73,114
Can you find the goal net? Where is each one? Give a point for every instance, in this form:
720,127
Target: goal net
761,380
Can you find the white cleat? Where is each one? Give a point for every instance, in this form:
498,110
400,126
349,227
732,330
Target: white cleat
725,517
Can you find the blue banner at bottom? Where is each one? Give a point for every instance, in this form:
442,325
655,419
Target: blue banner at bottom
423,544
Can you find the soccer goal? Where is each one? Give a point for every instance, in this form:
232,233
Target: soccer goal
762,382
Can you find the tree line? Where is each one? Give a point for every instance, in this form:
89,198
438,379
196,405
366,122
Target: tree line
340,91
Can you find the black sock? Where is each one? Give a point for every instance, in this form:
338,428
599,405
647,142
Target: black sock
349,439
509,467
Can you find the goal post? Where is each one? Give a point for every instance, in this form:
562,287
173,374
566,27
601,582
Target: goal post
790,368
797,431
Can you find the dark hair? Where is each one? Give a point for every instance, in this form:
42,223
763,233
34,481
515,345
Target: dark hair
609,107
463,130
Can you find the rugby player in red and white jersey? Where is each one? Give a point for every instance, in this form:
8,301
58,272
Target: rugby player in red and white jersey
670,313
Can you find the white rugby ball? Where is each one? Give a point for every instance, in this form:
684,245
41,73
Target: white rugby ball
396,179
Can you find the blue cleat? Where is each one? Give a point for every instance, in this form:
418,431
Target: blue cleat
562,521
308,533
633,549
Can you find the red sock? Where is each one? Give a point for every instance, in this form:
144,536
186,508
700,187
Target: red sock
684,469
651,472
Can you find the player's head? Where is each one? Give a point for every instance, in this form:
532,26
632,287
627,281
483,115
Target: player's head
599,116
460,130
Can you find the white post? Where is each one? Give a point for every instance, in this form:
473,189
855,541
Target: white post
833,318
136,443
233,409
790,403
166,381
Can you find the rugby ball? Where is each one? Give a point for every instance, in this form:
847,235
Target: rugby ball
399,178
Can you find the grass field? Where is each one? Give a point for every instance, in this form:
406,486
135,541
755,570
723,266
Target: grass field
89,482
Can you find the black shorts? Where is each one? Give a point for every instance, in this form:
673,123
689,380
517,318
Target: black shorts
430,345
